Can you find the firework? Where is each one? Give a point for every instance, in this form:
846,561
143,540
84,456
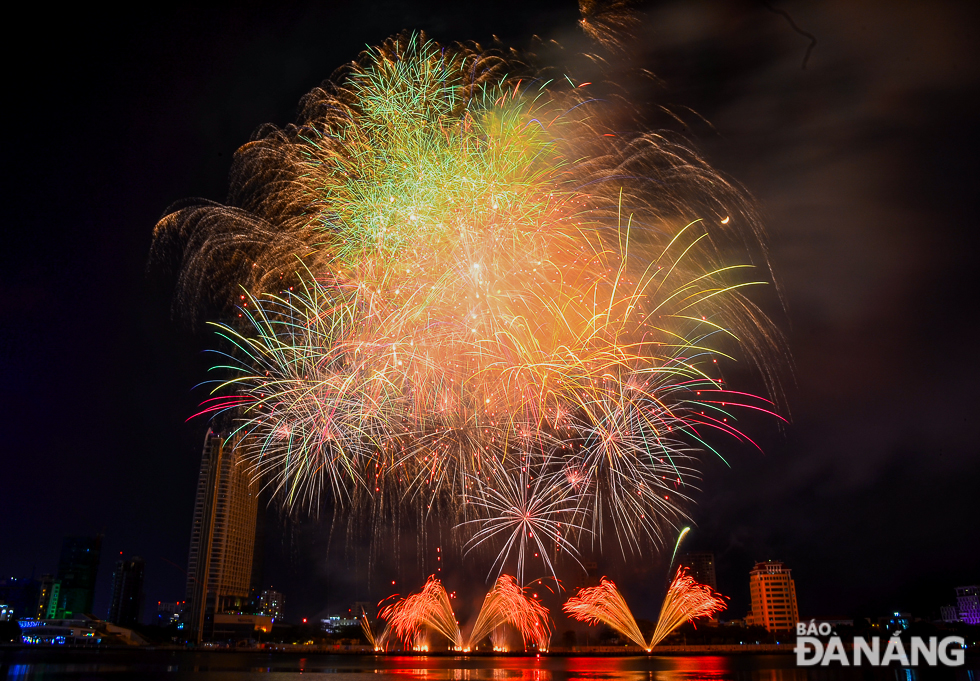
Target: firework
378,641
604,604
428,608
464,293
686,600
507,602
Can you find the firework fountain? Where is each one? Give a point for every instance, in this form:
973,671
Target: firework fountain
505,604
686,600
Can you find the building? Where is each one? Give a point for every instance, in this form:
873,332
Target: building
6,613
590,577
219,564
271,603
701,566
51,607
949,614
968,603
45,588
363,608
126,606
897,621
333,624
81,630
19,596
78,567
240,627
773,595
169,613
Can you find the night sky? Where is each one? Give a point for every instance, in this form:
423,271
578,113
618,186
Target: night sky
864,165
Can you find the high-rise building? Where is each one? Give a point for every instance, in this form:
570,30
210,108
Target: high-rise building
773,594
126,606
45,589
968,603
701,566
270,603
78,567
219,564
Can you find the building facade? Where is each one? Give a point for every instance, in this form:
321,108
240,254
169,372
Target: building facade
169,613
126,605
701,566
219,564
78,567
270,603
968,603
773,595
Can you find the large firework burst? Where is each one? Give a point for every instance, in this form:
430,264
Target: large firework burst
464,292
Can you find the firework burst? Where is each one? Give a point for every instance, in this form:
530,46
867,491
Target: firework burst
465,293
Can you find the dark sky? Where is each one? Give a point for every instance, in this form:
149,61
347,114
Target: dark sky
864,165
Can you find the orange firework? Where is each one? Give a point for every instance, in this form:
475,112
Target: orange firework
686,600
428,608
508,603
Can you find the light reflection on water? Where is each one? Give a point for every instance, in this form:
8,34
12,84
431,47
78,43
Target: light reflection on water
61,665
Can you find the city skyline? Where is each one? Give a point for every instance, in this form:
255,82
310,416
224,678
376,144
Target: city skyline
854,478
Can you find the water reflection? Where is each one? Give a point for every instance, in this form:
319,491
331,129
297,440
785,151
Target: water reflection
34,665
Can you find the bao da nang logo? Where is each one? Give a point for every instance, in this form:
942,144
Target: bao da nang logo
911,651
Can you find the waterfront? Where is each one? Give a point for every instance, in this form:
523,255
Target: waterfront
118,665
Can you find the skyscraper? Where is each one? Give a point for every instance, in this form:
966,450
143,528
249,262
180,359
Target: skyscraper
773,595
968,604
126,607
47,592
78,567
701,565
219,564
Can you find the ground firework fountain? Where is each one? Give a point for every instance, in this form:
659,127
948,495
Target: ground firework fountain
686,600
430,609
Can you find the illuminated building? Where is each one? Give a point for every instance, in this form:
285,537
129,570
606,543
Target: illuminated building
332,624
240,627
169,613
6,613
773,594
219,564
45,589
80,630
701,565
51,608
897,621
968,604
19,596
270,603
126,607
77,570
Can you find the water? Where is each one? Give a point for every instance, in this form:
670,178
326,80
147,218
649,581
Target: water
120,665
